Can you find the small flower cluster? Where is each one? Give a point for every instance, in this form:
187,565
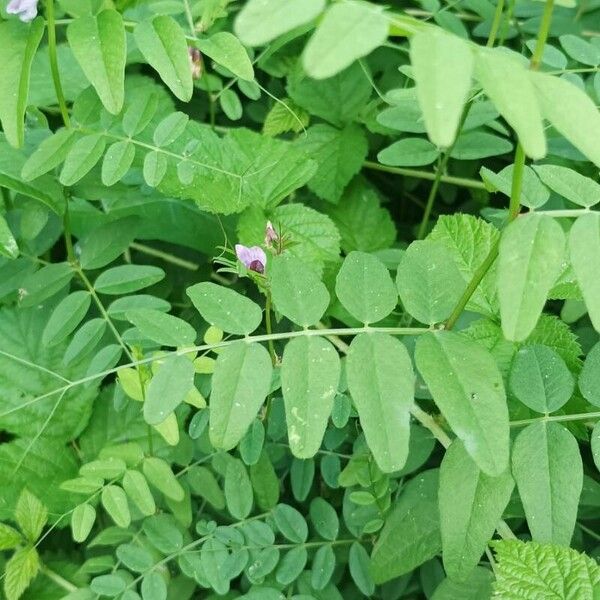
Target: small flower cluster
25,9
254,258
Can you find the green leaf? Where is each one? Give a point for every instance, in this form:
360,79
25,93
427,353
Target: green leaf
163,533
471,505
474,145
117,162
240,384
170,128
168,388
119,308
225,308
429,282
127,278
359,565
108,585
261,21
291,523
110,468
540,379
507,84
114,502
140,112
226,50
19,44
155,168
285,116
136,488
580,50
238,489
86,338
361,220
82,157
297,291
9,537
324,518
465,383
107,242
134,557
571,112
339,155
323,564
584,250
46,282
477,586
408,152
48,154
569,184
8,244
310,373
532,570
381,381
469,240
347,32
411,534
530,244
99,45
163,44
154,586
20,571
164,329
365,288
595,444
589,378
160,475
252,443
265,482
82,521
67,315
533,193
31,515
291,565
547,467
204,484
442,66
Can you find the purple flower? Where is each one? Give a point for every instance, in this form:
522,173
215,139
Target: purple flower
270,234
26,9
253,258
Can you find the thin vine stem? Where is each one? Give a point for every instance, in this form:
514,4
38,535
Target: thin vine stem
51,25
495,24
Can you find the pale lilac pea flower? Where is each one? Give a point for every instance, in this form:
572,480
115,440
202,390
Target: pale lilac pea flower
253,258
26,9
270,234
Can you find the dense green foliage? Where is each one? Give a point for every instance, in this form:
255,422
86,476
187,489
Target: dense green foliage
299,299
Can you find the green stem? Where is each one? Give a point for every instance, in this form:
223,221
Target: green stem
58,580
495,24
418,174
441,166
557,418
67,232
170,258
430,423
54,63
269,329
542,36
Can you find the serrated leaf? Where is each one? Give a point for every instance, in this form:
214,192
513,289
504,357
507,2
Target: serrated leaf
429,282
310,372
226,50
225,308
471,505
168,388
261,21
508,85
530,244
67,315
297,291
442,66
20,570
547,467
19,44
381,381
285,116
365,288
9,537
99,45
584,251
240,384
465,383
163,44
339,155
411,534
31,515
529,569
347,32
